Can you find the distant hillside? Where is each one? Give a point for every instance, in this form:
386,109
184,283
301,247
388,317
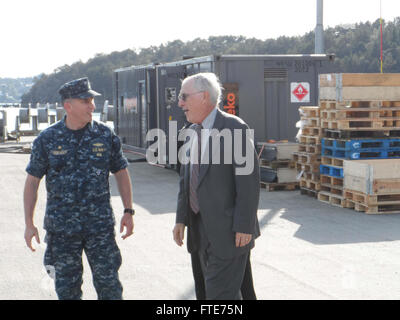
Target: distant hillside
357,49
11,90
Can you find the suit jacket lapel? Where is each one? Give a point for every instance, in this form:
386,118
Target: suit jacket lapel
218,124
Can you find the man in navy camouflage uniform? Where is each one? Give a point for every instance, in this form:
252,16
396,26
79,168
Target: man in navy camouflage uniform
77,155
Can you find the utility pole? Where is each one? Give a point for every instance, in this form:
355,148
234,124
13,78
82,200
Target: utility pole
319,29
380,20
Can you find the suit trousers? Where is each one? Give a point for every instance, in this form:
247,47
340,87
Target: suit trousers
222,277
247,288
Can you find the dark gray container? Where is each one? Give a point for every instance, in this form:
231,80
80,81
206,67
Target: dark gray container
134,101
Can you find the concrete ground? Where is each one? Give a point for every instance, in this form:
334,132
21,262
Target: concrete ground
308,249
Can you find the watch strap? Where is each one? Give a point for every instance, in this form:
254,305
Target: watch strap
130,211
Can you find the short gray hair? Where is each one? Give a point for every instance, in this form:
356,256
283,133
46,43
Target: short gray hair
207,81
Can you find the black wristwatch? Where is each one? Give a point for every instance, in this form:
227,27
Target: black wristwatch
130,211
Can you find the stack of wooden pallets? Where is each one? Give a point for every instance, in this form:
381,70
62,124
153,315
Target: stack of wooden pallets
360,119
277,168
308,156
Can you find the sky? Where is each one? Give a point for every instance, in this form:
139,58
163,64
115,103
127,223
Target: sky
39,36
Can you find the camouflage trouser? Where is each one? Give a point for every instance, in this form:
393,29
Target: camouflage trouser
65,254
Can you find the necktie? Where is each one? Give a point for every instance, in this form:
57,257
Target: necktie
194,174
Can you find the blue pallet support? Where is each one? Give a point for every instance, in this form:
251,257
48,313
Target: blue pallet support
361,149
391,153
361,143
331,171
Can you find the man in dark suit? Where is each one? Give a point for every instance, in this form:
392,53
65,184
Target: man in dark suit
247,288
218,195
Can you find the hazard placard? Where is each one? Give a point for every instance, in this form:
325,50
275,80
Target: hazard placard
299,92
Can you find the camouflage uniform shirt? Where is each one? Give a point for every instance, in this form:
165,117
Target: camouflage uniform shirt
77,173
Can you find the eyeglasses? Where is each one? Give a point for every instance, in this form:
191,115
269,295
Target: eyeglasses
184,96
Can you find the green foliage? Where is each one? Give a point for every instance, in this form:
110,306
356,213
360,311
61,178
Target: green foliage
357,50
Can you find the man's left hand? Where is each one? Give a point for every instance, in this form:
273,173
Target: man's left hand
127,222
242,239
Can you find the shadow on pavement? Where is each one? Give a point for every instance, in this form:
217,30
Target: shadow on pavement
321,223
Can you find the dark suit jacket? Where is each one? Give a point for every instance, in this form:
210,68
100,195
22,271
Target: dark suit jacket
228,201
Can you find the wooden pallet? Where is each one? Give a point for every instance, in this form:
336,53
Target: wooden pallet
332,181
360,144
310,184
310,148
362,124
309,192
368,104
306,158
367,134
343,80
311,176
311,131
327,105
360,113
289,186
309,111
333,189
353,104
359,87
313,167
313,140
330,161
378,209
310,122
334,199
371,200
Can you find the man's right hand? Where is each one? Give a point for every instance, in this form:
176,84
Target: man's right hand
31,232
178,233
